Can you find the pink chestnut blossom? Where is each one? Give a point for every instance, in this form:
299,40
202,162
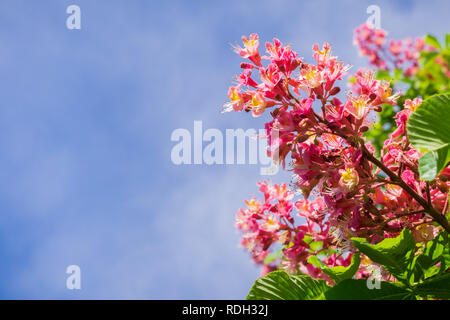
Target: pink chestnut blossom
397,54
319,138
250,49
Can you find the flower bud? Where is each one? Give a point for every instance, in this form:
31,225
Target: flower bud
318,91
336,102
294,64
335,91
329,85
364,128
245,65
378,108
274,113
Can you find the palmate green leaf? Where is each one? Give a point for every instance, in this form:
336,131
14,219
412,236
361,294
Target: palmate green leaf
431,163
427,128
351,289
395,254
435,287
428,57
278,285
338,273
429,131
432,41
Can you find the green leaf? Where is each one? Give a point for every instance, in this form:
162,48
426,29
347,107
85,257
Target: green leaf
436,287
428,166
271,257
429,131
432,41
316,245
427,128
432,271
278,285
338,273
447,40
398,73
431,163
435,251
395,254
358,290
383,75
429,55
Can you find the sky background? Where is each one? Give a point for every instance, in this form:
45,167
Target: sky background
85,123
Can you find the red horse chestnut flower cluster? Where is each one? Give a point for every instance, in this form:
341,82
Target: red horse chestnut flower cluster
347,191
392,54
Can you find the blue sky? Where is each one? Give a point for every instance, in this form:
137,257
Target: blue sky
85,123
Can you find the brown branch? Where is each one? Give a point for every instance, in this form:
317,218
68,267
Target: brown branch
428,193
437,216
401,215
